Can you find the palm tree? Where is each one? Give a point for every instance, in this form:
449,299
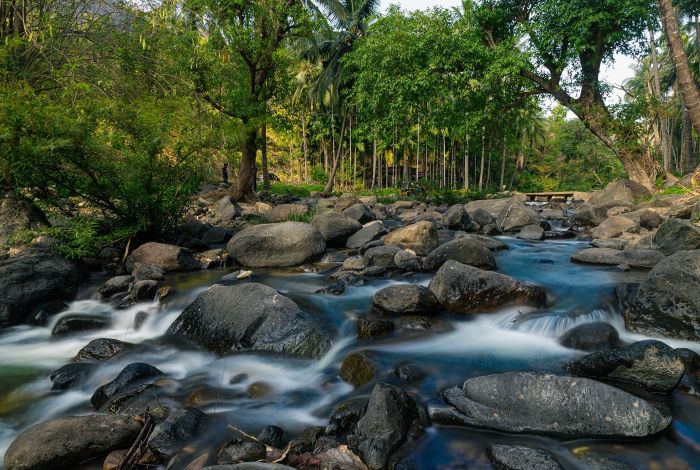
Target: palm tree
686,83
347,21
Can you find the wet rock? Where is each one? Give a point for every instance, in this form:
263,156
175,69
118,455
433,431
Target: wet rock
102,349
676,235
358,212
259,390
250,466
421,238
335,228
465,289
405,299
132,375
146,272
216,236
613,227
271,436
163,256
457,218
382,256
354,263
514,457
282,244
596,336
239,451
251,317
71,324
344,417
306,441
407,260
531,232
540,403
668,302
691,359
552,214
115,285
70,375
285,212
32,277
408,373
357,369
368,233
596,462
610,243
373,327
144,290
171,435
650,364
480,216
70,441
466,250
492,244
388,420
608,256
515,216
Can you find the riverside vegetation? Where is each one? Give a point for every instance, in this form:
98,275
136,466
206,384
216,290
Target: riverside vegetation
387,297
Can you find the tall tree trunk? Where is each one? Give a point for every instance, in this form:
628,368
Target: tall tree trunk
466,164
306,147
374,163
444,163
688,160
483,154
488,171
418,150
263,157
246,169
689,89
406,164
501,187
665,138
328,189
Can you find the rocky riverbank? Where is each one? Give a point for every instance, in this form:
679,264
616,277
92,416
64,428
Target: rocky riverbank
428,271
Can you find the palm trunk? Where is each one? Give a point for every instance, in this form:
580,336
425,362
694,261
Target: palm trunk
374,163
483,154
503,165
689,90
328,189
263,157
688,160
306,147
665,138
417,150
466,164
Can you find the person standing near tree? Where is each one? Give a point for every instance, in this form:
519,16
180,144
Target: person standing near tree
255,178
224,173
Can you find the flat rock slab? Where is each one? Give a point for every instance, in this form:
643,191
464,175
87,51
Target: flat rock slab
636,258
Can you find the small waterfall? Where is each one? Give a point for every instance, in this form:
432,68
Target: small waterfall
554,324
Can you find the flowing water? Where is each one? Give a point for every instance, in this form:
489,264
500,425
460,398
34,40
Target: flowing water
296,394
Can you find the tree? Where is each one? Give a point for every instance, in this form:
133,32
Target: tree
243,41
687,85
565,45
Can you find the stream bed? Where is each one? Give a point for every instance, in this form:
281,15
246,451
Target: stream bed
249,391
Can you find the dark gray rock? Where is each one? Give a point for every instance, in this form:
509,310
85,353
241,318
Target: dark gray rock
492,244
216,236
32,278
676,235
636,258
358,212
481,216
366,234
590,216
624,193
147,272
68,442
465,289
531,232
171,435
668,302
335,228
70,375
385,426
102,349
408,261
374,327
466,250
691,359
115,285
71,324
282,244
382,256
650,219
357,369
251,317
457,218
144,290
539,403
239,451
514,457
285,212
250,466
596,336
406,299
652,365
226,209
515,216
271,436
132,375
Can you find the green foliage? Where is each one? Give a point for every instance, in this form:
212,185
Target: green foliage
677,189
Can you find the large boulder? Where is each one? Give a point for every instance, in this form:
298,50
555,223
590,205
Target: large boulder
18,213
285,212
421,237
596,336
492,206
541,403
173,433
358,212
226,209
335,228
381,256
163,256
465,289
613,227
466,250
589,216
405,299
620,193
515,215
636,258
456,218
251,317
68,442
131,376
390,415
676,235
531,232
650,364
102,349
668,302
357,369
32,278
370,232
282,244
